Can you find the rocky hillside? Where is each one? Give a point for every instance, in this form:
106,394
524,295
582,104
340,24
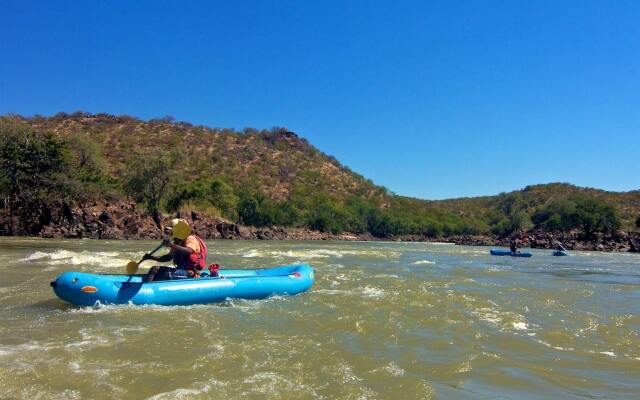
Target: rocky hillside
274,161
259,178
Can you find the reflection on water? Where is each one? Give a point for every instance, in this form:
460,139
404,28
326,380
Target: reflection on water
383,321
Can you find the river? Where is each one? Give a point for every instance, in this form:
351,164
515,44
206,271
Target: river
382,321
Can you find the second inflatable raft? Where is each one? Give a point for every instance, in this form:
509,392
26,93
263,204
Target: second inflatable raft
497,252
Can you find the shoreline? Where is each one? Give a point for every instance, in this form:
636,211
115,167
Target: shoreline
123,221
629,243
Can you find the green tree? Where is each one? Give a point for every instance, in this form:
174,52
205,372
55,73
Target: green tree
256,209
90,167
515,221
328,215
32,163
150,177
250,209
596,216
196,191
223,197
88,156
586,213
34,171
380,224
557,215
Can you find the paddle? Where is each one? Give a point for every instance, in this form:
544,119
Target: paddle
556,241
132,266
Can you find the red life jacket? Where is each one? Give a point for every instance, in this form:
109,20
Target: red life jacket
194,261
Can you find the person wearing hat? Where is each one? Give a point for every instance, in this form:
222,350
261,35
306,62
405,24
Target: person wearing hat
187,251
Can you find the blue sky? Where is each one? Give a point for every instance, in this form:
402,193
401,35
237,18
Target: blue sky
430,99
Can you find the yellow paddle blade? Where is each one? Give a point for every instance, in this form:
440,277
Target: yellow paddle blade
131,268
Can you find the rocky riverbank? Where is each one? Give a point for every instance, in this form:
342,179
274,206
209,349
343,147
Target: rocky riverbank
122,220
622,242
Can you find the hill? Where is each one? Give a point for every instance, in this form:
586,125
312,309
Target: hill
259,178
534,197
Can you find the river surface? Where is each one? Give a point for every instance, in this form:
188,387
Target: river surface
382,321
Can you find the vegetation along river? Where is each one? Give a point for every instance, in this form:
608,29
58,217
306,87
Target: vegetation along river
383,321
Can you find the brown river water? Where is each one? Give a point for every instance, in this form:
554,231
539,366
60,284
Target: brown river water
382,321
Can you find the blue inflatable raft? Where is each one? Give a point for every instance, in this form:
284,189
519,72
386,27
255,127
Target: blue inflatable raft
560,253
497,252
84,289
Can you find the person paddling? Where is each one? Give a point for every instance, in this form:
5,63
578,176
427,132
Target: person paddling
187,251
514,244
558,245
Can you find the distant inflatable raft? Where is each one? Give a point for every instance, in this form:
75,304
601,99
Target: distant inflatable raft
84,289
497,252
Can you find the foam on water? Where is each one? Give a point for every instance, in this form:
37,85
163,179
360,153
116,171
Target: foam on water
394,369
520,326
99,308
346,373
309,254
240,304
251,306
332,292
374,292
392,276
103,259
423,262
180,393
6,350
305,254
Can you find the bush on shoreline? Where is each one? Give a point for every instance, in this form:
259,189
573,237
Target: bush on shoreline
587,214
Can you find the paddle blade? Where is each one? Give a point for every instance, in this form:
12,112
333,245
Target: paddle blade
131,268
